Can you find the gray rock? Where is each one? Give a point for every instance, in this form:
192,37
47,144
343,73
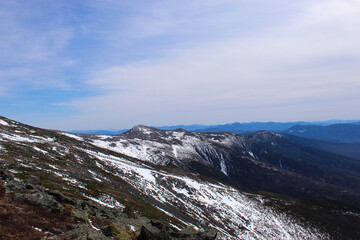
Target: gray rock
51,238
15,185
40,199
85,233
80,215
157,230
32,180
6,175
2,188
130,213
209,234
60,197
108,231
146,234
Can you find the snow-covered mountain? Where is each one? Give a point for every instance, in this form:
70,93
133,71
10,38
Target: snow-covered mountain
253,163
91,178
177,147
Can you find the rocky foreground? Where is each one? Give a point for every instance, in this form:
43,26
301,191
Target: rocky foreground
29,210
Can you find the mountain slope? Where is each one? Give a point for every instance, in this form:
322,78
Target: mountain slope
351,150
241,161
283,144
98,186
345,133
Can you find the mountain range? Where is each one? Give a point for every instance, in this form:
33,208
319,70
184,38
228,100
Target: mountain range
149,183
262,161
230,127
351,150
343,133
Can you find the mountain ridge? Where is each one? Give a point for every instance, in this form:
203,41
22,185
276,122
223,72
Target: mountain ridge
236,127
94,186
343,133
237,156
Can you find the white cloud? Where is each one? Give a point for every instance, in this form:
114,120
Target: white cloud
32,38
27,34
305,66
168,62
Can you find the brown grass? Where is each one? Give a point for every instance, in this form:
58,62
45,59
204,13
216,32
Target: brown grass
19,220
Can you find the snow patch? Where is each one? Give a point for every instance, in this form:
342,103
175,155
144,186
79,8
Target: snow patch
53,167
40,150
95,175
2,122
132,228
92,226
37,229
73,136
106,200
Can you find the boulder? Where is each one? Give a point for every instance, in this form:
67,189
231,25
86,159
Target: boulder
51,238
40,199
130,213
84,233
157,230
147,234
6,175
61,197
15,185
80,215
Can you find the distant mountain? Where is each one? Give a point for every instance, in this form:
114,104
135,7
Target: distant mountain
99,132
249,163
193,127
284,144
268,126
230,127
249,127
345,133
351,150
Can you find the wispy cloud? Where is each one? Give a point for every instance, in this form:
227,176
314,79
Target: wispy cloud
306,61
169,62
28,34
32,38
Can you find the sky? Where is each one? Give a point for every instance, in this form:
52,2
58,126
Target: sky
113,64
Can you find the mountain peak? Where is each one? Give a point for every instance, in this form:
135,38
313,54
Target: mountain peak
179,130
141,128
264,135
141,131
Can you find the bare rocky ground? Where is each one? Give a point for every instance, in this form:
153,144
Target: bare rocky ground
28,210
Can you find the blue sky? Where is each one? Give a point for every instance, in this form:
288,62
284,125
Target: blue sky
114,64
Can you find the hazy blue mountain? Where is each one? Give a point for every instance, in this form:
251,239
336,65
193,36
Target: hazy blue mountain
230,127
100,132
346,133
250,127
268,126
193,127
351,150
285,145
